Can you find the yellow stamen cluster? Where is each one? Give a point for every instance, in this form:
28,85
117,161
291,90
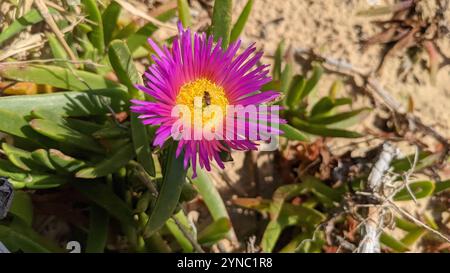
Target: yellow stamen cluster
209,93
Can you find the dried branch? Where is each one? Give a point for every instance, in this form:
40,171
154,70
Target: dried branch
43,9
133,10
374,223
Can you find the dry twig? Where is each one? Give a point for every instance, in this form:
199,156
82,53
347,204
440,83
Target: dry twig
43,9
370,243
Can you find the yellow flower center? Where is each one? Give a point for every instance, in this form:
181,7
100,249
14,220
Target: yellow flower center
202,94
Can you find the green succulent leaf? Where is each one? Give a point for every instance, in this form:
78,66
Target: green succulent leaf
98,230
41,157
20,158
420,189
58,51
221,21
20,236
241,21
413,236
7,169
104,197
184,13
326,120
441,186
322,130
96,35
209,193
65,135
60,77
139,38
277,66
215,231
393,243
30,18
64,162
178,234
122,62
295,91
61,104
425,159
40,181
109,165
311,83
169,193
292,133
22,207
290,215
14,124
109,18
111,132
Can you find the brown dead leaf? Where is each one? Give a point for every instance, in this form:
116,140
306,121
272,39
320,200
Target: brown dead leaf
121,116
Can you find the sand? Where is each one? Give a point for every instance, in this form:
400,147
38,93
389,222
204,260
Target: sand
333,27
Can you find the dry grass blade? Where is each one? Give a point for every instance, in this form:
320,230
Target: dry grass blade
43,9
131,9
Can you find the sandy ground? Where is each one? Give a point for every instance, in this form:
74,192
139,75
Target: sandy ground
333,27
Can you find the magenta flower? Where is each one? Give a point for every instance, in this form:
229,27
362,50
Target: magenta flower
198,74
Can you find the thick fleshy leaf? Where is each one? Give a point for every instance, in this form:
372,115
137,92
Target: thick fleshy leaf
109,19
221,21
276,72
122,62
22,237
283,193
425,159
295,91
22,207
292,133
139,39
56,76
311,83
290,215
184,13
325,120
74,104
40,181
393,243
94,16
209,193
30,18
441,186
420,190
20,158
58,51
7,169
111,132
178,234
98,230
14,124
323,192
64,162
65,135
322,130
41,156
241,21
413,236
169,193
215,231
103,196
110,164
